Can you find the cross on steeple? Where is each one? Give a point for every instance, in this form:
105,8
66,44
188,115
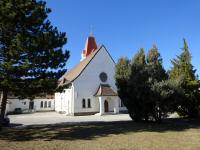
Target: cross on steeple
91,30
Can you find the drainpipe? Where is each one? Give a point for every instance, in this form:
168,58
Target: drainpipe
73,99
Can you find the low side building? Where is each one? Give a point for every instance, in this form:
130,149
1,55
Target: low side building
26,105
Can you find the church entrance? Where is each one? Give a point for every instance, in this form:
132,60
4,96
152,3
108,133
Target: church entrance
106,106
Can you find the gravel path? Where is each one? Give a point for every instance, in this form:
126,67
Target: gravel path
43,118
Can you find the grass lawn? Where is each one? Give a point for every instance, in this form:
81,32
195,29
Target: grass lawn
172,134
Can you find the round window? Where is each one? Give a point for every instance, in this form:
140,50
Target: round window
103,77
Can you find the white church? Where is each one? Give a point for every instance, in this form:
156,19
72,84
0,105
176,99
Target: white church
91,84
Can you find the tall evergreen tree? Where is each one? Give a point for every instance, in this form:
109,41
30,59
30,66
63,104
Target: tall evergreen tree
122,74
154,65
148,91
157,82
31,50
189,104
137,87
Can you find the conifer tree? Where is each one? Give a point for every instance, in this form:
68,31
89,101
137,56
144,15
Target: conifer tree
148,92
122,74
137,87
154,65
189,104
31,50
157,82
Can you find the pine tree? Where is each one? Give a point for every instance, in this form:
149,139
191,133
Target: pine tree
157,82
137,87
147,91
154,65
182,64
189,104
31,50
122,74
139,58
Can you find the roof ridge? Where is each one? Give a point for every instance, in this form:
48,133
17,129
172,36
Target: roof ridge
79,68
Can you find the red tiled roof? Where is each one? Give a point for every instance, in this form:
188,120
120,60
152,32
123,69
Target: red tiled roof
105,90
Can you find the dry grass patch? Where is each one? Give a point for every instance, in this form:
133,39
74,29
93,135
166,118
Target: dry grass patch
170,135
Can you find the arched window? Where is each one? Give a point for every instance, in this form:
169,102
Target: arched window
89,103
41,104
83,103
49,104
45,104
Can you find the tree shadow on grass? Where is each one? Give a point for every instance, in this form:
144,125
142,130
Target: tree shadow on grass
89,131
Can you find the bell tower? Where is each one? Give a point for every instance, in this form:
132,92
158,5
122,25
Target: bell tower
90,46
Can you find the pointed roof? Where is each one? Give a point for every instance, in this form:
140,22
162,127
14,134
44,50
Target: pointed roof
74,73
90,46
105,90
78,69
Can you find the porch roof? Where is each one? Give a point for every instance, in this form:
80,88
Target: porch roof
105,90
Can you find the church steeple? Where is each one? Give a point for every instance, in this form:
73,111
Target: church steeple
90,46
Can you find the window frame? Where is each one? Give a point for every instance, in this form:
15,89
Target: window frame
49,104
89,103
41,104
83,103
45,104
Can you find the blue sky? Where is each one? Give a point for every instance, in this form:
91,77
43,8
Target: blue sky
124,26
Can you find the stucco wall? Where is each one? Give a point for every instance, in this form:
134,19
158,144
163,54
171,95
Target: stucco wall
64,101
87,83
16,103
37,104
24,104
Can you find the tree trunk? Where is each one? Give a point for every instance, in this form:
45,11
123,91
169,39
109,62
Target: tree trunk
3,105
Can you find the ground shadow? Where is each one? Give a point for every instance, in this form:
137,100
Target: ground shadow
88,131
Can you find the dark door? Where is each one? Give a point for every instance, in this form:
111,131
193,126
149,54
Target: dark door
31,105
106,106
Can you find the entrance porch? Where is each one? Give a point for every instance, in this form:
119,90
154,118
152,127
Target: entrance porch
108,104
108,99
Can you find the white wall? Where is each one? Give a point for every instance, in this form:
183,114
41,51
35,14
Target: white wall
112,103
88,82
16,103
64,101
24,104
37,104
57,101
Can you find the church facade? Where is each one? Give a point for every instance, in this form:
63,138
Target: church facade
90,84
